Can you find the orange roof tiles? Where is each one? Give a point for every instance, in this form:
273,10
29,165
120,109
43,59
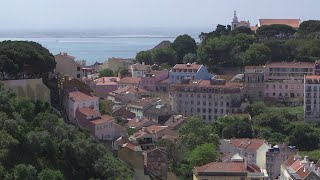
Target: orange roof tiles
222,167
79,96
130,80
137,123
88,111
187,66
295,23
102,119
249,144
131,89
303,172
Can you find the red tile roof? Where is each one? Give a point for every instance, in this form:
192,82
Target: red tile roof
295,23
102,119
187,66
88,111
303,172
136,123
107,81
249,144
131,89
79,96
143,102
222,167
130,80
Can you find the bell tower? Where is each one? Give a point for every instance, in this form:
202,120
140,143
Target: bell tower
235,22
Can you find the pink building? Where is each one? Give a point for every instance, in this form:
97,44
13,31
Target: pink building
101,126
283,81
77,100
103,86
150,79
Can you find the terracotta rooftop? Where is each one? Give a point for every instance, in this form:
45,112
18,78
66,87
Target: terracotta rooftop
102,119
143,102
295,23
230,167
79,96
253,28
130,80
149,130
249,144
290,65
135,123
187,66
64,54
131,89
303,172
107,81
131,146
140,67
88,111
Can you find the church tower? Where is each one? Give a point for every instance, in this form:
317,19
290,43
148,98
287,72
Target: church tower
235,22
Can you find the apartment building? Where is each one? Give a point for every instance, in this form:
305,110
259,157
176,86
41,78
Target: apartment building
253,84
276,156
312,98
235,169
253,150
209,99
67,65
77,99
156,163
139,70
188,71
284,80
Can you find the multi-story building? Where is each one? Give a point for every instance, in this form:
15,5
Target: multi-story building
156,163
277,155
209,99
296,168
284,80
150,79
236,169
253,85
312,98
115,64
188,71
140,106
129,81
139,70
67,65
103,86
77,99
102,127
253,150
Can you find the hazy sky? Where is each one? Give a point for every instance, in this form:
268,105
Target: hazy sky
93,14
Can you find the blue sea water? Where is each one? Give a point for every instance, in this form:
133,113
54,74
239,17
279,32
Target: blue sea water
99,47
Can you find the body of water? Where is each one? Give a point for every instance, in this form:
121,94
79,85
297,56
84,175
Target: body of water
99,46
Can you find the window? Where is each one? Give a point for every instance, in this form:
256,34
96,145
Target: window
78,75
78,68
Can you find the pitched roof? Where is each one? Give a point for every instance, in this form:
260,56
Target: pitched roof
130,80
295,23
88,111
140,67
135,123
107,81
132,146
143,102
102,119
131,89
249,144
79,96
187,66
222,167
64,54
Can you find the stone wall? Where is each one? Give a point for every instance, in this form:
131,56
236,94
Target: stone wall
35,89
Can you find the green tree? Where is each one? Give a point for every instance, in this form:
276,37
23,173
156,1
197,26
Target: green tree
144,56
183,45
189,58
272,31
106,73
164,55
15,56
242,30
304,137
203,154
308,27
49,174
24,172
257,54
194,132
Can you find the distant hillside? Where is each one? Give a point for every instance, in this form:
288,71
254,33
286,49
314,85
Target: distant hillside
163,44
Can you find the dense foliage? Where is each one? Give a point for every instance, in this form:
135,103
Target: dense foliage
183,45
36,144
24,59
106,73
